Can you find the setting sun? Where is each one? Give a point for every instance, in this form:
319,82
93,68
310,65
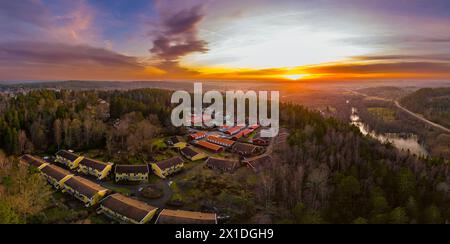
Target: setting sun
295,77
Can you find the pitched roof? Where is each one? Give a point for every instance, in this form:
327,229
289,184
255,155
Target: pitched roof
83,186
223,141
185,217
245,132
128,207
132,169
67,155
55,172
234,130
258,164
32,160
170,163
210,146
223,164
175,139
95,164
244,148
189,152
197,135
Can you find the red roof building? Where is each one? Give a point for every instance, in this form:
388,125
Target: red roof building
197,136
220,141
244,133
234,130
210,146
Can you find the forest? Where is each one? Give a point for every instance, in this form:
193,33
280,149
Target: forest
434,104
327,172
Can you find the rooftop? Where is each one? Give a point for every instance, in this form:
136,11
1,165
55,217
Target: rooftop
67,155
132,169
128,207
209,146
223,141
55,172
32,160
95,164
171,162
186,217
83,186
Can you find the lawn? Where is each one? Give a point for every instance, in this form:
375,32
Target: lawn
386,114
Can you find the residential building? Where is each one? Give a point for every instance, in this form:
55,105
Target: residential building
244,133
130,173
261,141
197,136
220,141
245,149
55,175
95,168
34,161
210,146
234,130
127,210
224,165
176,142
168,167
68,158
84,190
185,217
192,154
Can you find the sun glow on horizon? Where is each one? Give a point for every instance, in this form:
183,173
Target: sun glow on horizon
295,76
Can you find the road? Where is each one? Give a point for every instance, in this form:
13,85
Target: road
431,123
421,118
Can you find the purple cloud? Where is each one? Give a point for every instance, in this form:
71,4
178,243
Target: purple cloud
178,37
28,53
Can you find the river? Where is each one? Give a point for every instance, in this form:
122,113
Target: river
404,142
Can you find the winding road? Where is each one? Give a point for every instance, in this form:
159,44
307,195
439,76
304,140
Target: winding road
419,117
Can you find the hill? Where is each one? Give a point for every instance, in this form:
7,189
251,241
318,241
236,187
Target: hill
432,103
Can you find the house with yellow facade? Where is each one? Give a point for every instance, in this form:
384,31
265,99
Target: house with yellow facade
55,175
168,167
136,173
95,168
34,161
176,142
192,154
69,159
84,190
126,209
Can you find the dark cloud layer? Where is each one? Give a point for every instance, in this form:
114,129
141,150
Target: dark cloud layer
42,53
178,37
394,67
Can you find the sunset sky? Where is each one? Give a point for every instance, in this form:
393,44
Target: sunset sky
224,40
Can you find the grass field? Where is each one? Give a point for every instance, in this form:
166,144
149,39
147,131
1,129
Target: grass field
386,114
